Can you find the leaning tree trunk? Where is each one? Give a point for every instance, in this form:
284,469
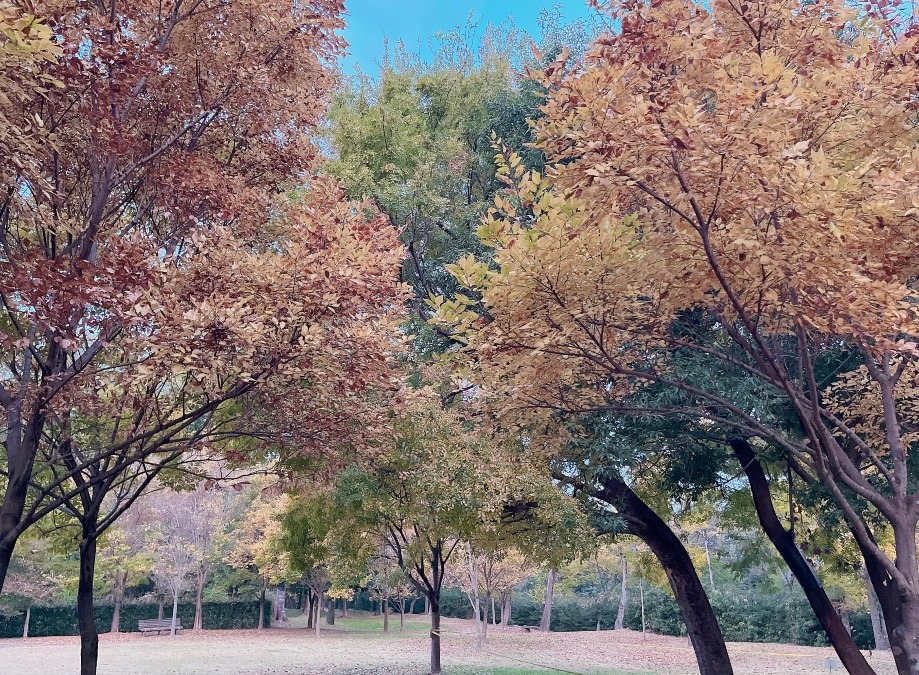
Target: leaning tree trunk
546,621
86,618
623,595
704,632
783,540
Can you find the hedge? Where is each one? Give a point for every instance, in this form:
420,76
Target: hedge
62,620
745,617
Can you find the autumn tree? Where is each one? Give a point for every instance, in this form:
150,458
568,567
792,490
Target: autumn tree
441,485
155,264
258,546
124,559
750,166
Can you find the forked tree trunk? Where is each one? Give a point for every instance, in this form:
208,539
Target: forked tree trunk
86,618
623,595
783,541
546,621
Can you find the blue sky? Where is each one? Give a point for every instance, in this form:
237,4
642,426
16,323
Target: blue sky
416,21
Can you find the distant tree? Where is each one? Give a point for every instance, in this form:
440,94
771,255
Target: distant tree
441,485
258,545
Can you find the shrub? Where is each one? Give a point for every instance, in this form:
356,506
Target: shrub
62,619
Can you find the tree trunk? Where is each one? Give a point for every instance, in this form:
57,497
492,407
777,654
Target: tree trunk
641,593
546,621
25,624
175,610
427,606
891,606
401,614
385,616
316,622
844,617
702,627
623,595
280,604
330,617
86,619
783,541
261,605
121,579
881,643
708,561
21,445
488,600
309,611
434,606
505,608
162,601
199,599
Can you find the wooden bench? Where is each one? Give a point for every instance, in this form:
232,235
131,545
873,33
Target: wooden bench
157,625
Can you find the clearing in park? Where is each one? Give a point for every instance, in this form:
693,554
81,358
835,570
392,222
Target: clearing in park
359,647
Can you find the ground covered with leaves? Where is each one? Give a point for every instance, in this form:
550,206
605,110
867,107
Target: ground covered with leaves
359,647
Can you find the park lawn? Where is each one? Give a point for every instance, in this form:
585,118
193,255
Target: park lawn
357,646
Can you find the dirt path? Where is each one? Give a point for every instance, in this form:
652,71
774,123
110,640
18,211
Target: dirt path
358,647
